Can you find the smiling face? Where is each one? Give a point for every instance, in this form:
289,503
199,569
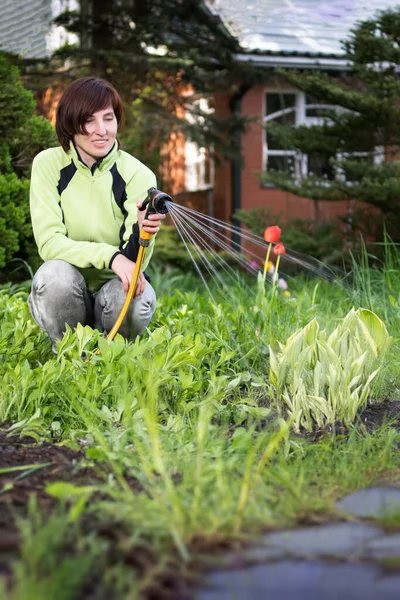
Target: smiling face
101,132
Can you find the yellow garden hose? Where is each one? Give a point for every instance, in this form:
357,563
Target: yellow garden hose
155,203
132,287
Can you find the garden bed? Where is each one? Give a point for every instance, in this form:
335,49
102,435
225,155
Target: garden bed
168,451
60,463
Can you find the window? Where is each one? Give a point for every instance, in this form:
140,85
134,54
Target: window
199,166
293,107
280,107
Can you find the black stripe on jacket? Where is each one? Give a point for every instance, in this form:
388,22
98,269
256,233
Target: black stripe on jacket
66,175
119,190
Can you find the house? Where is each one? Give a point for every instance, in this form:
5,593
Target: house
286,34
271,33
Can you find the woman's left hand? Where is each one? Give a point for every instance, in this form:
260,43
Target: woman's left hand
153,222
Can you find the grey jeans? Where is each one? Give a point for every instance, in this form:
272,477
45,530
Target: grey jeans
59,297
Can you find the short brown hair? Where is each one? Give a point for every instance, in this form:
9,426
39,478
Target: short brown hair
81,99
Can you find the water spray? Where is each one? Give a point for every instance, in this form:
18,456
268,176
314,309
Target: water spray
195,229
156,202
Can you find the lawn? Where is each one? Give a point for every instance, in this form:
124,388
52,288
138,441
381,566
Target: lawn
132,470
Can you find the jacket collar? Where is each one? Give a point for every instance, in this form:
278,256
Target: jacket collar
102,165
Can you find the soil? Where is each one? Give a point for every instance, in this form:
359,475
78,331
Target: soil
375,415
17,487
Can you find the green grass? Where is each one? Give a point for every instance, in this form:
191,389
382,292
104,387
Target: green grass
188,412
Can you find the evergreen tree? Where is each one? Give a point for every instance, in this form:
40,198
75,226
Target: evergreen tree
355,147
162,55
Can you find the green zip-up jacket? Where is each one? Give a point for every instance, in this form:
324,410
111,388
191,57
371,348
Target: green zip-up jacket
86,216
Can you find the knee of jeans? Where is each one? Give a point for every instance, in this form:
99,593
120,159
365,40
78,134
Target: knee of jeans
148,302
146,309
57,275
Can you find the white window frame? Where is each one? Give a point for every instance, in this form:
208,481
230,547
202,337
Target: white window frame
300,108
299,113
196,156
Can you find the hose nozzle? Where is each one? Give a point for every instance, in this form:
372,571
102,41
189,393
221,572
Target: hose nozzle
154,203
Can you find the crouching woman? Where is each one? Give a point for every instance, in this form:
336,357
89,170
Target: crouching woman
84,202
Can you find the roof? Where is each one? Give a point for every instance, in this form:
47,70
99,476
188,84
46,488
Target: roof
269,27
26,26
295,27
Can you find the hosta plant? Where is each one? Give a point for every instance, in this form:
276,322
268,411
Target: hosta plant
321,378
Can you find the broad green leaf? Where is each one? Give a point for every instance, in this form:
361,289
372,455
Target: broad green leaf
234,383
393,301
376,328
65,490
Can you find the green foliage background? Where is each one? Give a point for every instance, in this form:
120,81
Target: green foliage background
320,239
23,134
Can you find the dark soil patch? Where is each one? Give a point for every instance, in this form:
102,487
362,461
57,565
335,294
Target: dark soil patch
369,419
381,413
63,465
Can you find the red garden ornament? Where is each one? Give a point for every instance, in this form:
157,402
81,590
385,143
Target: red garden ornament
272,234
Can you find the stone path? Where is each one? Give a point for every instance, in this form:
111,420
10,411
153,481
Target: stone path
346,560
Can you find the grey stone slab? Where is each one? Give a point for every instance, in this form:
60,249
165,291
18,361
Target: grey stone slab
372,502
384,547
302,580
336,539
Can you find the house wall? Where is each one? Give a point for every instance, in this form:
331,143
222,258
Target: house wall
172,165
253,193
223,172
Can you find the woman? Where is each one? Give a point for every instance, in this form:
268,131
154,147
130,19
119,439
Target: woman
84,204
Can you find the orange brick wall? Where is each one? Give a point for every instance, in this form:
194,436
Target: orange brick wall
222,180
172,164
253,194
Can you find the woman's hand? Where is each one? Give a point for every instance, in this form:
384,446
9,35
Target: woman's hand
153,222
123,267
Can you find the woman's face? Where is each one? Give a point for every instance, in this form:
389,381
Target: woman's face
101,134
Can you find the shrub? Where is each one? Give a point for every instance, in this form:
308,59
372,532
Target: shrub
321,378
22,135
17,104
15,225
171,252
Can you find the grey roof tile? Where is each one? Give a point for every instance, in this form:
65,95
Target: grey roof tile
24,25
295,26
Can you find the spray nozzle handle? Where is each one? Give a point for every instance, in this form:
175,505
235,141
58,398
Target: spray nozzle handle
156,202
